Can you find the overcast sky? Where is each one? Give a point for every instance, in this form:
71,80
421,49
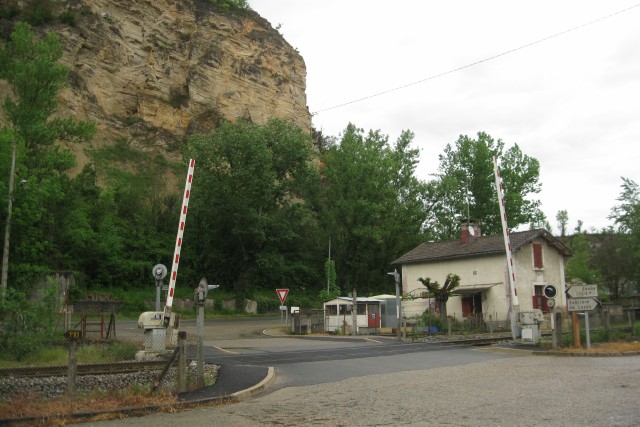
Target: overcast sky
570,99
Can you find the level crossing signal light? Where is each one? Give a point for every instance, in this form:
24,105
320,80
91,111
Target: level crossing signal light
550,291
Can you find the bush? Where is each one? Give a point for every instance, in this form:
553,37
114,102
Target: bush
28,326
178,97
430,319
68,17
9,12
39,13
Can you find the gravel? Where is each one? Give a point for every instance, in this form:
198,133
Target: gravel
51,387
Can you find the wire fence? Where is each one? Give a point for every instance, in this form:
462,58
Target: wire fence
81,363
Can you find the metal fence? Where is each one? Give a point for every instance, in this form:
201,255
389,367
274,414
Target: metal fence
308,322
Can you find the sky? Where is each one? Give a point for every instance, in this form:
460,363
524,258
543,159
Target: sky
561,79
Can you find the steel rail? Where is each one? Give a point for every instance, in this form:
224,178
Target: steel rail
83,369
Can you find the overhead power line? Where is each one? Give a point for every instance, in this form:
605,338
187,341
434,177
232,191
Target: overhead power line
481,61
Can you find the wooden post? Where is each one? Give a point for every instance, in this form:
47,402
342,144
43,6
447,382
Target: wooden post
182,362
73,368
558,330
576,329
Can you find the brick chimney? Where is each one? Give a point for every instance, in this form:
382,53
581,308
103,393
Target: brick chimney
469,231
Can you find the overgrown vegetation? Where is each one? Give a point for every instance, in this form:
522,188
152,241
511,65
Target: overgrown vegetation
59,411
231,5
37,12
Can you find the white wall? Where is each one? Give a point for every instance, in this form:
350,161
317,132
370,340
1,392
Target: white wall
488,270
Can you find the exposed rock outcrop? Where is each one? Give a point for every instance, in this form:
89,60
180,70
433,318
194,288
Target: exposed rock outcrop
150,72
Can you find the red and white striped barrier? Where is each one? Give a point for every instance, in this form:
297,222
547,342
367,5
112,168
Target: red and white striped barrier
176,252
505,233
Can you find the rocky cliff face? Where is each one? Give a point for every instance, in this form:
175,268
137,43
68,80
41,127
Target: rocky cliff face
151,71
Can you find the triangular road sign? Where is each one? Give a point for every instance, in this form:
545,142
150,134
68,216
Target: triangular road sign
282,294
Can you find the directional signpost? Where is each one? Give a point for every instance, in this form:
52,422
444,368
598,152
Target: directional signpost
582,291
582,298
582,304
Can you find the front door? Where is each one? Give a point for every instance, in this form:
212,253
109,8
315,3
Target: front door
471,305
373,315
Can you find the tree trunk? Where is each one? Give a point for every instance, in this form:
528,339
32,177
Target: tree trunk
443,307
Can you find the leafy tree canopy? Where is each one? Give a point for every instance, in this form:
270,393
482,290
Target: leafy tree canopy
254,226
373,206
465,187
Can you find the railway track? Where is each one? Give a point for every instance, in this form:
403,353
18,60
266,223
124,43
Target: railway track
84,369
137,366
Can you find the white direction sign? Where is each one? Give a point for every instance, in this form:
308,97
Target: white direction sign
582,291
582,304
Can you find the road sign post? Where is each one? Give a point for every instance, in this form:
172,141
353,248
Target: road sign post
581,298
282,294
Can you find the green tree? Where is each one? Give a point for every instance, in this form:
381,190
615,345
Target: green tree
579,267
465,187
626,215
563,218
332,291
31,69
251,224
616,263
442,294
373,206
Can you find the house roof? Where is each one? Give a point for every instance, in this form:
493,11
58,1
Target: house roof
358,299
480,246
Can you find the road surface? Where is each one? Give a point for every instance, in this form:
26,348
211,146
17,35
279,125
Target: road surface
445,386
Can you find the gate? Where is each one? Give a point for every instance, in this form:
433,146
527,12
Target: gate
308,321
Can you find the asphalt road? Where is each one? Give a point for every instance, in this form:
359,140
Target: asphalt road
214,329
439,385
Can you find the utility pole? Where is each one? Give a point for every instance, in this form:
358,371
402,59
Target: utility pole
7,230
396,277
354,315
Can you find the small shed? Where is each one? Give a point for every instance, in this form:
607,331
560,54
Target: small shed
339,315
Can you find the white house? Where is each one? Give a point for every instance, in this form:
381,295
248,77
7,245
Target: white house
480,261
339,314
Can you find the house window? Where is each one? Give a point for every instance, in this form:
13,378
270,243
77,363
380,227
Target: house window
539,300
537,256
332,310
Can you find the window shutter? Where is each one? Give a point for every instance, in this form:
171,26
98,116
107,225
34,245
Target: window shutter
537,256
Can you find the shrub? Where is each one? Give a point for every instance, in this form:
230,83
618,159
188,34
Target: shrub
39,12
178,97
430,319
68,17
28,325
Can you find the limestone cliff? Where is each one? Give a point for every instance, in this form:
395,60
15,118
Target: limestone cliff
151,71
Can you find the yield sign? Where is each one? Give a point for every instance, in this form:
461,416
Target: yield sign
282,294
